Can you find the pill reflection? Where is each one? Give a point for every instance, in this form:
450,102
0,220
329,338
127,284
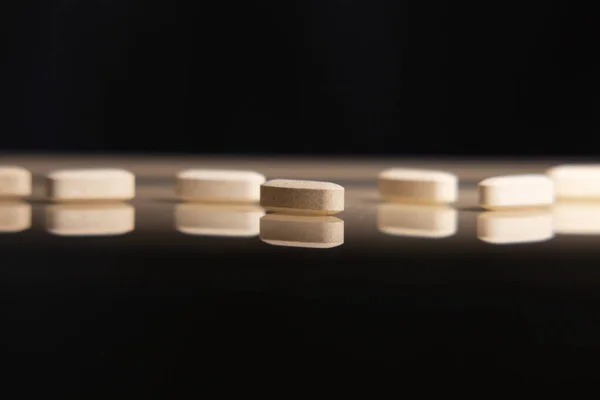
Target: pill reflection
218,220
302,231
513,227
90,219
14,217
577,218
417,220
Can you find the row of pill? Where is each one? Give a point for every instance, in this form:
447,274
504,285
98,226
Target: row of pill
495,193
395,219
311,197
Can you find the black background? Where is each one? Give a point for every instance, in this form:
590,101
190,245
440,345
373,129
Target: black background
312,76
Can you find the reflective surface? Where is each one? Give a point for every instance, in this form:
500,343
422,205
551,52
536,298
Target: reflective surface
164,288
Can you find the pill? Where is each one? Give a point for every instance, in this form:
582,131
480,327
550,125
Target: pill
218,220
514,227
90,185
14,217
302,231
90,219
576,217
418,221
205,185
407,185
302,197
516,191
15,182
576,181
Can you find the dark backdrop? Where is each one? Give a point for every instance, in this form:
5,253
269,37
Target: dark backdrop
310,76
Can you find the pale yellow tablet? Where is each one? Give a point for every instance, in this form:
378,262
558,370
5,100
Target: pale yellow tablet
15,182
92,184
406,185
516,192
218,186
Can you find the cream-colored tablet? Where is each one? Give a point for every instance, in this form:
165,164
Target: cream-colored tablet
218,220
90,219
206,185
322,232
576,181
516,191
577,217
417,220
99,184
15,182
407,185
14,217
512,227
302,197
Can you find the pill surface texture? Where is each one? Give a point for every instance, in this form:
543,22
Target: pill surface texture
14,217
90,185
407,185
417,220
302,231
576,217
576,181
205,185
218,220
513,227
302,197
90,219
15,182
516,191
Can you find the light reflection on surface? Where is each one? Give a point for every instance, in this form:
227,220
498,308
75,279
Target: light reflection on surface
218,220
15,216
577,218
417,220
514,227
90,219
302,231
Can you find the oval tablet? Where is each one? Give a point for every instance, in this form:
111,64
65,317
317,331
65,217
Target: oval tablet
417,220
512,227
302,197
407,185
14,217
218,220
302,231
576,181
205,185
516,191
90,219
15,182
576,218
99,184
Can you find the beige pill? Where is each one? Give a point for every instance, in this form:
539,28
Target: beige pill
302,197
15,182
90,185
407,185
576,218
205,185
513,227
417,220
14,217
218,220
516,191
90,219
302,231
576,181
